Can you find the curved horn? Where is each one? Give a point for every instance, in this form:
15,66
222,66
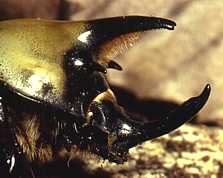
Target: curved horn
175,119
107,29
112,36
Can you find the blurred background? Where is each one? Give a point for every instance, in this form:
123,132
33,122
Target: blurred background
165,65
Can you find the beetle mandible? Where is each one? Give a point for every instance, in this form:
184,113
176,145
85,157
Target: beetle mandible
54,95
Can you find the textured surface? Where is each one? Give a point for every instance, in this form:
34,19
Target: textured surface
186,152
192,151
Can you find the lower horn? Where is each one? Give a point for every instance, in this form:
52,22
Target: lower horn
176,118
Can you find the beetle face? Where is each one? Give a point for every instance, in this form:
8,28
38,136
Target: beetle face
55,94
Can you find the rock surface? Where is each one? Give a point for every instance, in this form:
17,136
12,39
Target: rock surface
192,151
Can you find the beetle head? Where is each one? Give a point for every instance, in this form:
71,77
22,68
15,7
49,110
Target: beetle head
108,131
69,77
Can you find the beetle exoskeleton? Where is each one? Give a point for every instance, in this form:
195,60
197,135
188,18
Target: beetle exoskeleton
54,94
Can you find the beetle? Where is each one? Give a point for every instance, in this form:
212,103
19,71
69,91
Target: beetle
54,95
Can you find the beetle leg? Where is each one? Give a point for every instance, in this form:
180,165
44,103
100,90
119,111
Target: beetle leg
12,160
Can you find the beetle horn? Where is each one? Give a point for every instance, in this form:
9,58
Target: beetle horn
175,119
118,133
112,36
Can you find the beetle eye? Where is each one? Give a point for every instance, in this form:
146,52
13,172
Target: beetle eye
98,116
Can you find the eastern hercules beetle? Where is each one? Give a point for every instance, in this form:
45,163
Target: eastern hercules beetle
54,95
